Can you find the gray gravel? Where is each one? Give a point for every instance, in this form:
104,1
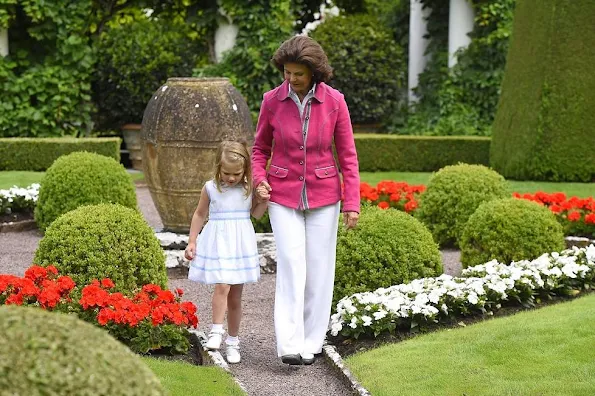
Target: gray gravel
261,372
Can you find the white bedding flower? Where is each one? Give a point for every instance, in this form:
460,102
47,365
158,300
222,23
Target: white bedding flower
423,296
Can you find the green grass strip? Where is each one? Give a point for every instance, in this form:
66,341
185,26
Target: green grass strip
547,351
183,379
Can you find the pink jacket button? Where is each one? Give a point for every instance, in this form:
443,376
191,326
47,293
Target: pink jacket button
301,177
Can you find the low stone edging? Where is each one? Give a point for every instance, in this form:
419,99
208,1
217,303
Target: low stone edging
336,361
214,358
18,226
177,265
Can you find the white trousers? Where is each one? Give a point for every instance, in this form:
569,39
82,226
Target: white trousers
306,250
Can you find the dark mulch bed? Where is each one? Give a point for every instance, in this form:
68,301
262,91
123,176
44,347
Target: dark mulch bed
346,346
15,217
193,356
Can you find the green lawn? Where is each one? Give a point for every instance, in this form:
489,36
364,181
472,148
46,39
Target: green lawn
183,379
582,190
547,351
9,179
23,179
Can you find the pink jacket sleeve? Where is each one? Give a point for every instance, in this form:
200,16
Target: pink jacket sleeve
345,145
263,142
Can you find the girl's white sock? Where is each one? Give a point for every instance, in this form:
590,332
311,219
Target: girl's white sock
232,340
217,328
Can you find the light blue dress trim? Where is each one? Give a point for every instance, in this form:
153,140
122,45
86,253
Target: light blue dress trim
228,258
229,218
227,269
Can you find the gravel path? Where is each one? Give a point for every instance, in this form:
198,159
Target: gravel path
261,372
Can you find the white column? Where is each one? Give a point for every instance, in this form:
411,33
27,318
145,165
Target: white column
3,42
417,44
225,38
225,35
461,18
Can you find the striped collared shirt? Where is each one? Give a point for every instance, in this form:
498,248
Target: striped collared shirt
304,109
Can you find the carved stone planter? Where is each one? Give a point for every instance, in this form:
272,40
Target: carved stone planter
183,124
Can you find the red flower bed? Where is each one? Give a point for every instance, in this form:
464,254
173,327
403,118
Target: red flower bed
575,214
390,194
152,319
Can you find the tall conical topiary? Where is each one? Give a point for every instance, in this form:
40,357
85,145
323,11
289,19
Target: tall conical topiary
545,123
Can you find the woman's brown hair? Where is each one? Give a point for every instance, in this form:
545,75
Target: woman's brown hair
232,152
305,51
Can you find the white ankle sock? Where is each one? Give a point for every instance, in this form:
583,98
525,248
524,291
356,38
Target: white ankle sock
217,328
232,340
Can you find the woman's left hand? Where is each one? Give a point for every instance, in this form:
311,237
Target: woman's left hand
350,219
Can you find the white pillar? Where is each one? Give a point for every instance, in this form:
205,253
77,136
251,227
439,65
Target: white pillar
417,44
461,18
3,42
225,35
225,39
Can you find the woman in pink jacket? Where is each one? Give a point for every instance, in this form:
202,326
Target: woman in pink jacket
299,122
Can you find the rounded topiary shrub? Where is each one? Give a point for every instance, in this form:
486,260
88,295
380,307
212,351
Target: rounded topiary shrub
508,230
104,241
388,247
368,65
49,353
82,178
453,194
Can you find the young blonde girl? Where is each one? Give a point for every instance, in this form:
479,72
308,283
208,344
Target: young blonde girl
225,253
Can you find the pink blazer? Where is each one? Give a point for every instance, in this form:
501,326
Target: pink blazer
294,163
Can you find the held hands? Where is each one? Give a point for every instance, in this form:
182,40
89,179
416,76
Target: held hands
263,194
350,219
190,251
263,191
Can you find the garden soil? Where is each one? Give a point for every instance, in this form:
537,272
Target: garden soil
260,371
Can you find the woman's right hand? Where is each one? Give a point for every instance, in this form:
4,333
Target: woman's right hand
263,191
190,250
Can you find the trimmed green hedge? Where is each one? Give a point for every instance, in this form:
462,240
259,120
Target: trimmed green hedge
419,153
544,126
38,154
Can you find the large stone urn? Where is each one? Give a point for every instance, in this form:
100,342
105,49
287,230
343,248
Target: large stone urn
183,124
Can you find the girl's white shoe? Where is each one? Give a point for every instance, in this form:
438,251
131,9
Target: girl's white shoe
214,340
232,352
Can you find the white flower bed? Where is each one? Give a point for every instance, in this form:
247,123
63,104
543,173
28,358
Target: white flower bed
480,289
18,199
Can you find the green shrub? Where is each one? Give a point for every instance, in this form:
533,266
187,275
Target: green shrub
508,230
263,224
262,27
136,58
49,353
104,241
539,133
45,88
38,154
453,194
388,247
80,179
368,65
419,153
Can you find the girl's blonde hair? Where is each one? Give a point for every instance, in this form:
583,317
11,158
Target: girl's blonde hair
233,152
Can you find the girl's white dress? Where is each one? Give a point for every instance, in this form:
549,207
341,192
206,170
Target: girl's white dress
226,250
